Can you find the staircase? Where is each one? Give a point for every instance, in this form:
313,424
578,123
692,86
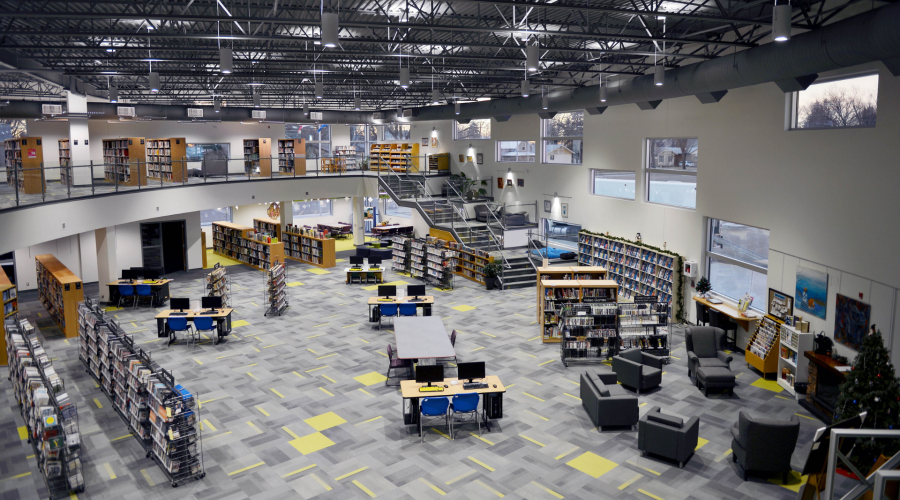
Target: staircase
519,274
403,188
476,237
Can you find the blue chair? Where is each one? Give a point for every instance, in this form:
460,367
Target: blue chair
143,291
435,407
126,291
387,310
407,309
178,324
205,324
466,403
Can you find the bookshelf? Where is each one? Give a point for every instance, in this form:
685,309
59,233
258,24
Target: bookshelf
309,246
165,159
763,348
348,154
258,157
235,242
793,366
440,262
125,161
65,162
397,157
217,284
9,295
292,156
586,329
400,248
27,155
268,226
644,324
557,287
469,262
439,161
276,290
60,291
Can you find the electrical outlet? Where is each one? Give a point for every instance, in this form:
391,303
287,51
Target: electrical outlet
27,284
307,193
254,197
64,225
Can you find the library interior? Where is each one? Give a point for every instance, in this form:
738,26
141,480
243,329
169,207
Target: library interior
562,299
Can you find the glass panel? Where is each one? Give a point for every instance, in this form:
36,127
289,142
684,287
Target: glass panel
325,149
614,183
672,189
563,151
674,154
311,208
739,242
565,125
475,129
396,132
309,132
12,129
312,150
373,132
207,217
357,132
515,151
734,281
852,102
194,152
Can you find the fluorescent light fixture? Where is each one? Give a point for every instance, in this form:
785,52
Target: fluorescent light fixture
257,100
330,29
226,61
603,92
114,94
659,75
543,102
456,107
781,22
404,78
154,81
110,50
320,90
525,88
435,96
532,57
255,84
216,106
356,105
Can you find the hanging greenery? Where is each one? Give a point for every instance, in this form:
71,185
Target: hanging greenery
678,267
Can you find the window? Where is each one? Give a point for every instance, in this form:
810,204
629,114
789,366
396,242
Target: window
395,132
475,129
318,138
848,102
738,260
391,208
672,172
195,152
515,151
613,183
207,217
311,208
562,136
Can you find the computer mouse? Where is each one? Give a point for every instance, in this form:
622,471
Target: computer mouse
495,386
446,386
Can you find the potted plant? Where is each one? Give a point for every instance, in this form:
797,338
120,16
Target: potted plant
465,183
492,272
704,286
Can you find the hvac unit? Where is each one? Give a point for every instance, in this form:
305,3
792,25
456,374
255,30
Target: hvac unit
51,109
315,115
259,114
378,115
125,111
195,113
408,113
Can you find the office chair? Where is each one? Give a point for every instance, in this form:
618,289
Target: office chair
144,291
389,310
452,343
719,320
435,407
205,324
396,364
408,310
466,403
178,324
371,278
126,291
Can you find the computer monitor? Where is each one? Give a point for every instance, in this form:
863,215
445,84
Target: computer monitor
374,261
357,261
470,371
429,373
415,290
180,304
129,274
151,274
138,271
387,290
211,302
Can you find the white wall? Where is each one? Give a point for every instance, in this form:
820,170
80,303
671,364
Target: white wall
128,241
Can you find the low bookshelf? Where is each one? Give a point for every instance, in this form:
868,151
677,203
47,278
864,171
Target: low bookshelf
60,291
292,156
258,157
309,246
268,226
565,273
235,242
125,161
793,365
557,294
25,160
165,159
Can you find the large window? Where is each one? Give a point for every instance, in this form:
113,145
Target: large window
311,208
207,217
562,138
475,129
848,102
515,151
613,183
318,138
195,152
395,132
738,260
671,168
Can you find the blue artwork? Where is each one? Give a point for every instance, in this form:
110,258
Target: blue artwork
812,291
851,321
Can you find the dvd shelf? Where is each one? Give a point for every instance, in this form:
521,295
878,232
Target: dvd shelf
8,295
165,159
125,161
417,258
309,245
258,157
243,244
793,365
439,263
65,163
762,351
586,329
644,324
276,298
292,156
24,161
60,291
349,155
400,258
51,418
218,285
590,284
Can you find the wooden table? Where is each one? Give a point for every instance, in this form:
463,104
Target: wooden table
492,398
160,289
426,303
222,319
747,323
379,273
394,228
422,338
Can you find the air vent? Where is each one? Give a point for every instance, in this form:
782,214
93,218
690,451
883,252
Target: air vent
407,113
51,109
259,114
125,111
315,115
378,115
195,113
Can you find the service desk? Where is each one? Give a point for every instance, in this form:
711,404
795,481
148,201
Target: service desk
362,272
160,289
222,318
491,398
746,325
425,302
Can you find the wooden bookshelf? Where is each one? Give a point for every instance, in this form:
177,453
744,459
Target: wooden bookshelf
60,291
27,155
439,161
10,299
637,269
270,226
125,161
258,156
292,156
397,157
552,293
234,241
469,262
309,246
65,162
165,159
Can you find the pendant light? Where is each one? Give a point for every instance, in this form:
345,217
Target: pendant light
525,88
114,94
154,81
226,61
404,78
330,28
603,91
257,100
320,90
216,106
435,96
781,22
456,107
659,75
399,112
306,109
356,103
544,102
532,57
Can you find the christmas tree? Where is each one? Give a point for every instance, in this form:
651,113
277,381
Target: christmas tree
871,386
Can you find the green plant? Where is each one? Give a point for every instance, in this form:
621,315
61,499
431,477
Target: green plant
704,286
492,269
465,182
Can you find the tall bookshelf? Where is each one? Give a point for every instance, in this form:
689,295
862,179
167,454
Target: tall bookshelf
349,154
25,159
439,161
793,365
397,157
400,254
440,262
309,246
125,161
258,157
65,163
268,226
165,159
60,291
234,241
9,295
292,156
557,288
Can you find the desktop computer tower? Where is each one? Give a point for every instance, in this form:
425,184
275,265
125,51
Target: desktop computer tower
494,404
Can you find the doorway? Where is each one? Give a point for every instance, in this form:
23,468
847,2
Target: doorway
164,246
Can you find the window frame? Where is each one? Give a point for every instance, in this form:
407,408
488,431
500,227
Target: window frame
499,157
709,255
687,173
317,142
792,112
545,138
456,125
591,184
329,214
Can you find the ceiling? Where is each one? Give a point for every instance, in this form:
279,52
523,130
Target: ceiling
466,49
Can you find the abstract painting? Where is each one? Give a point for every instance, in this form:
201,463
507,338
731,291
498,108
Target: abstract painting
812,291
851,321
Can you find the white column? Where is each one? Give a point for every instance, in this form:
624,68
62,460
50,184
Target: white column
359,221
287,213
107,263
78,140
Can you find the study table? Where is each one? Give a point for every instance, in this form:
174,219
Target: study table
422,337
160,289
425,303
222,318
360,272
745,323
392,229
335,228
491,398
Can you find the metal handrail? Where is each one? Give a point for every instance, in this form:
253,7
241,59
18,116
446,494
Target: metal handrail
494,239
834,455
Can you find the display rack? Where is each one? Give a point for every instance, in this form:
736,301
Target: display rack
440,261
762,350
562,277
439,161
270,227
25,164
644,324
9,295
310,246
588,332
51,418
349,155
165,159
793,365
65,163
60,291
258,157
241,243
125,161
400,247
276,298
292,156
218,285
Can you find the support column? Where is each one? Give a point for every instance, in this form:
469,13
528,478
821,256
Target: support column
107,263
359,221
287,213
80,152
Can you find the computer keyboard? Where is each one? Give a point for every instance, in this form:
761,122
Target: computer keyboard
431,389
178,314
417,300
474,385
209,313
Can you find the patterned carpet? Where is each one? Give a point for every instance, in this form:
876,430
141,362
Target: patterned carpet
296,407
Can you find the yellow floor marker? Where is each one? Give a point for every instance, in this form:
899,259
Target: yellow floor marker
467,474
568,452
548,490
97,402
246,468
345,476
325,391
651,495
433,487
321,483
261,410
480,438
592,464
367,491
479,462
463,308
571,396
326,377
314,369
311,443
532,396
630,481
546,362
523,436
298,471
148,478
280,395
492,490
23,433
257,429
109,470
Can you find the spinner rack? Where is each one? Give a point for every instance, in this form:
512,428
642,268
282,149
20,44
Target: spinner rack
276,298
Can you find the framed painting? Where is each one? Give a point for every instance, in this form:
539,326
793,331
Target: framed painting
811,293
851,321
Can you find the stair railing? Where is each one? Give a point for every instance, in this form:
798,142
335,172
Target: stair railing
874,482
458,212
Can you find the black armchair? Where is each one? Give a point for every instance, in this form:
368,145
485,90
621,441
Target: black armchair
704,348
764,444
638,369
668,436
606,403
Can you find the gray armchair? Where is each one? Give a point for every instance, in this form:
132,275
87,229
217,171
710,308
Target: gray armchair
704,348
638,369
668,436
606,403
764,444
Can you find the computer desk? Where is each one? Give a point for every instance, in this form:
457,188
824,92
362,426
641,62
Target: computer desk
222,319
491,398
379,273
160,289
425,304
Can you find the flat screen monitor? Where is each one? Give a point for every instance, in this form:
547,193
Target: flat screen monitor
374,261
429,373
415,290
387,290
211,302
129,274
138,271
357,261
180,304
470,371
151,274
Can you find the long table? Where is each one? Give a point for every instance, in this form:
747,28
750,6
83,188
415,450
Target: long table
422,337
361,271
393,229
425,303
222,319
160,289
746,323
491,398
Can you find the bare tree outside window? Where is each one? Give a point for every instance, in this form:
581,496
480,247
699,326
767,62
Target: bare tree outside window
672,171
680,154
475,129
851,102
562,136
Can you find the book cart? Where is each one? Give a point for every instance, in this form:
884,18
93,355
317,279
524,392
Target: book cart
218,285
762,350
51,419
275,298
644,324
